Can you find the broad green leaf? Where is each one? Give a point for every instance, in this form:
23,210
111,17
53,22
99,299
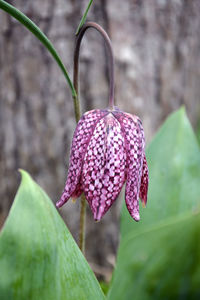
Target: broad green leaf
174,190
84,17
32,27
38,257
162,263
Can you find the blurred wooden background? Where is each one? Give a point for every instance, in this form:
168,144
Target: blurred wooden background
157,54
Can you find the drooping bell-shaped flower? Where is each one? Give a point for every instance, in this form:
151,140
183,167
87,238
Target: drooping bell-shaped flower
107,151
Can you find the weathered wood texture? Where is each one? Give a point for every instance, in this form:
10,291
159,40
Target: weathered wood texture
157,54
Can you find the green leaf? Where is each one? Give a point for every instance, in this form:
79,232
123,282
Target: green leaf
32,27
38,257
84,17
145,250
161,263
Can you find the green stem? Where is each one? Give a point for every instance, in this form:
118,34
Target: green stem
82,224
77,116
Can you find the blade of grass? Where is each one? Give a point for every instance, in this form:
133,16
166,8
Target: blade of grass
23,19
84,17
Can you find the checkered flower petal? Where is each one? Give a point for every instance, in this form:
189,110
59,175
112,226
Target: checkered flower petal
107,150
134,137
81,138
144,182
104,165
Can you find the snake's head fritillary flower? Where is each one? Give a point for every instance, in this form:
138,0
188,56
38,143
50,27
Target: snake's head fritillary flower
107,151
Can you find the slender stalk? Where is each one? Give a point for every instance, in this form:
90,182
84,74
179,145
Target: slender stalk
82,224
110,56
77,102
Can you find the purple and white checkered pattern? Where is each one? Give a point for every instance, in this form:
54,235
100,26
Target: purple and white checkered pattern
107,150
103,172
81,138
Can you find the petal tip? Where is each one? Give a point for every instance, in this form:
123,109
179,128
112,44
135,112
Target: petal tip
74,200
58,204
97,216
144,204
136,217
62,200
96,220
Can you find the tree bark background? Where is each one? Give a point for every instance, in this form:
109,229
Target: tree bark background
157,54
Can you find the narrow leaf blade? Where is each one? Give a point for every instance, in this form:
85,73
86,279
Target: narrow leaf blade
32,27
84,17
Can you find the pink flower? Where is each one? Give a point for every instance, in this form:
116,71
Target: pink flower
107,150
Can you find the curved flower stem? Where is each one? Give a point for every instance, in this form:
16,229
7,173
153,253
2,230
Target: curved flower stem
77,105
110,56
